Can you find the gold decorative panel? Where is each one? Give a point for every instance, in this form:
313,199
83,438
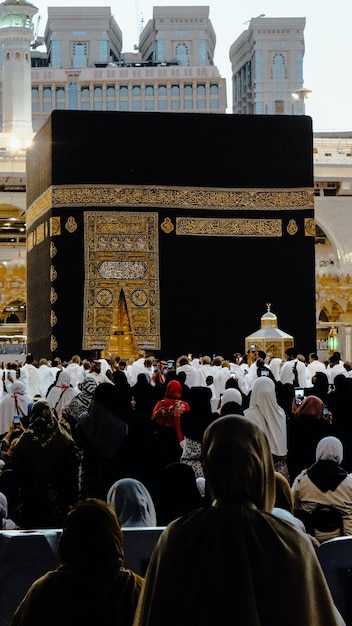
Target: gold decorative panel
228,227
40,233
71,224
55,226
121,262
148,196
309,227
292,227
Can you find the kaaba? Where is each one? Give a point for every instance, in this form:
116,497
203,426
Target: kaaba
168,232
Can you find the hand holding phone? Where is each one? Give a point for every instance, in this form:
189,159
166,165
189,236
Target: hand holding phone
16,420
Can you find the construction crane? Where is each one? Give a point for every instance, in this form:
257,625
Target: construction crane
37,41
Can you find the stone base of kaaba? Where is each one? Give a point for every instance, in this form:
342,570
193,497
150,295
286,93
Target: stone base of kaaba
169,232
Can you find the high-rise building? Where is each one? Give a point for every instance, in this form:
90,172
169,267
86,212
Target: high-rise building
84,68
267,67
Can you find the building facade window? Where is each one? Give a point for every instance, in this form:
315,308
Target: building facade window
84,92
55,60
149,90
299,64
175,90
72,97
214,89
162,91
201,89
278,67
103,51
79,54
60,95
188,90
182,54
123,91
258,64
160,50
202,52
136,90
110,91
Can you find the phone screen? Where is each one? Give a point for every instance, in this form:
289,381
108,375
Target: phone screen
299,395
16,419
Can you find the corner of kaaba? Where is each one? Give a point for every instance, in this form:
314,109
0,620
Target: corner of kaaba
168,232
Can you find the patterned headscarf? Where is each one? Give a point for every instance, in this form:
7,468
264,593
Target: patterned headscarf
44,440
83,400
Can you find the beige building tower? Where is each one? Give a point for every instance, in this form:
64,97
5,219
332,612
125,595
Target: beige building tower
267,67
16,35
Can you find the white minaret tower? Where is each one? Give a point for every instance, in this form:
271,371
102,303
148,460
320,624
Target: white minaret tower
16,36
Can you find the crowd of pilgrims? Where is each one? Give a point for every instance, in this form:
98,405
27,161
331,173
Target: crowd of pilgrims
131,435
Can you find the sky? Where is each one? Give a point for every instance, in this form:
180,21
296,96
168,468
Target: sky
328,44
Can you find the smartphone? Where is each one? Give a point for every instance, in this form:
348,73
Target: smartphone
299,395
264,373
16,420
325,410
252,346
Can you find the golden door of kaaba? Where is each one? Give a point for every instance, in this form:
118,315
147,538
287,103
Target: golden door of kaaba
174,243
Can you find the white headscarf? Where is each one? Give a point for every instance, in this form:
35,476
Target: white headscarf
231,395
132,503
265,411
329,449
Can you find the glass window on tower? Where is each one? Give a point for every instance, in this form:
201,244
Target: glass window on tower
60,96
299,64
79,54
258,64
214,89
72,97
149,90
47,92
160,50
103,51
202,52
278,69
182,54
188,90
55,60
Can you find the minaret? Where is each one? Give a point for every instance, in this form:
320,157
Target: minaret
16,35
